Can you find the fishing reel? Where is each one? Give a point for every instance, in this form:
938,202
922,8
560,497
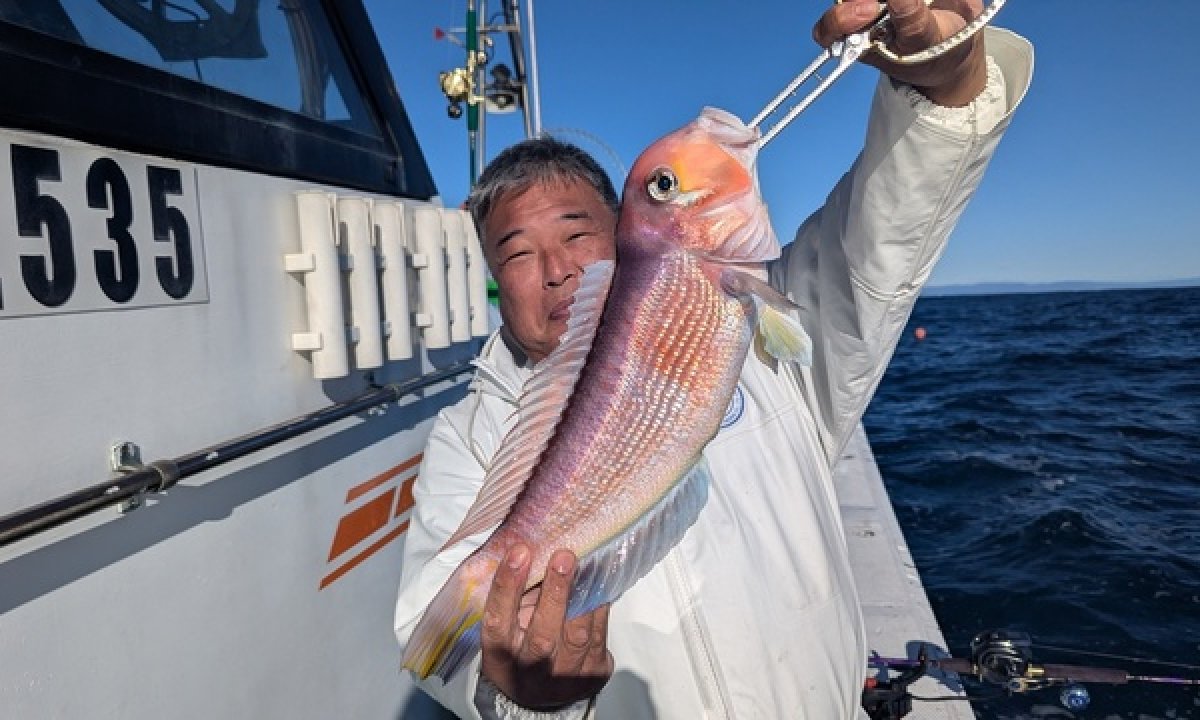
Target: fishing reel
1005,658
456,86
1001,656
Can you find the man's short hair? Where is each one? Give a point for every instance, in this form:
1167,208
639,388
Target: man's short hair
537,160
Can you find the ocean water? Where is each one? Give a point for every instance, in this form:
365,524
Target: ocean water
1043,456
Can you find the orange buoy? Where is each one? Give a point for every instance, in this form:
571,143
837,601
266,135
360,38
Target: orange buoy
919,333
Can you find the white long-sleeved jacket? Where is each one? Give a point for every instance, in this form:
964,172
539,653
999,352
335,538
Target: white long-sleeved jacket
755,614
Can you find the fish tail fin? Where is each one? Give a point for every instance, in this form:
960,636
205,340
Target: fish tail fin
448,634
783,336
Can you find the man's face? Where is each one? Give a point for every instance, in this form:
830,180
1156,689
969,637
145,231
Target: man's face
537,242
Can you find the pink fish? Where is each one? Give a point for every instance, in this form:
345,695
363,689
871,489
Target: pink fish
606,456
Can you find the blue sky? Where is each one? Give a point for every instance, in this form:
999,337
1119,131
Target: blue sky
1096,179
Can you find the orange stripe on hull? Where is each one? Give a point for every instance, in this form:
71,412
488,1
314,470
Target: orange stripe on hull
361,523
406,497
360,490
354,561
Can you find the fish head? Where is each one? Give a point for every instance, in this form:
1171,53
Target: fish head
697,188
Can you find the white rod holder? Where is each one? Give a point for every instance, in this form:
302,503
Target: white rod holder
391,227
477,275
318,264
357,235
429,258
456,275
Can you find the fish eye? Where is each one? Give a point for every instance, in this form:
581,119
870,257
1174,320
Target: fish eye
662,184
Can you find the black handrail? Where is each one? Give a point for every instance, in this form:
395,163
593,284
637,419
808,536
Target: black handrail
160,475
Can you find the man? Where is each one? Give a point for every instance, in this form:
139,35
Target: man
754,614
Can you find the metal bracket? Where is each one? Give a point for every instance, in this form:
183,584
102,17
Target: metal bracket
124,458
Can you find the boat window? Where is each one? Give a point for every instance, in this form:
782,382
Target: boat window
280,52
293,88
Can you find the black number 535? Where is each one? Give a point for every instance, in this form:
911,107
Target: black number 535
94,231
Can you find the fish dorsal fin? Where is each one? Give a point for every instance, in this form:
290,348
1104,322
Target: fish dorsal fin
540,407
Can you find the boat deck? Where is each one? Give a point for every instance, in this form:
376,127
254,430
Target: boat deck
896,610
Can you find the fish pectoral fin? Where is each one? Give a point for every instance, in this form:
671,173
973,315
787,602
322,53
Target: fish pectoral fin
540,407
783,336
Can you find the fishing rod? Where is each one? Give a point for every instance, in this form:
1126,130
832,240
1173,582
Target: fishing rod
1003,658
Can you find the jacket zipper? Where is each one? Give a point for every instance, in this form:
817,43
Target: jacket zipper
696,640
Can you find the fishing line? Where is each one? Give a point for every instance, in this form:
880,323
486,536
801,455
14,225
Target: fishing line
1165,680
618,182
1112,656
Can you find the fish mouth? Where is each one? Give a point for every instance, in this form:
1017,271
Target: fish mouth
733,135
742,219
687,199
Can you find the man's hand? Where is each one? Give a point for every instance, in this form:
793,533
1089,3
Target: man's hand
951,80
529,653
